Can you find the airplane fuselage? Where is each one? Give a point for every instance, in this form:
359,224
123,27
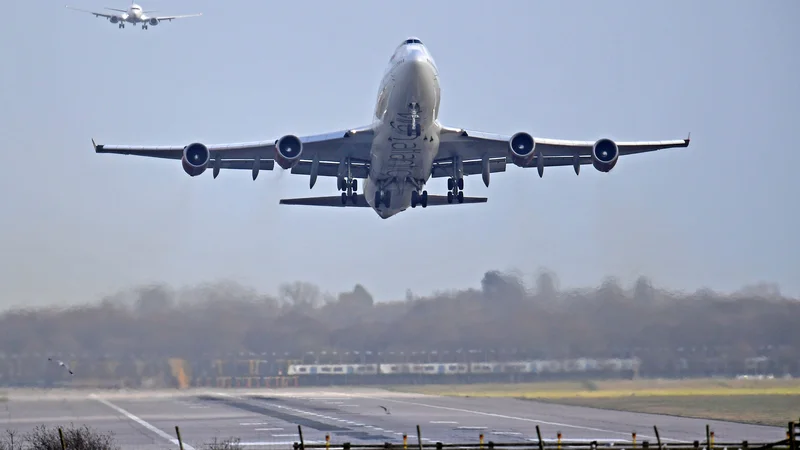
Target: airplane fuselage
406,130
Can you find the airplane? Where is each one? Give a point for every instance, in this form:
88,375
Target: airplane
134,15
400,151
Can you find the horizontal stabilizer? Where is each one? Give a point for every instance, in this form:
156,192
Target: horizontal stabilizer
361,202
336,200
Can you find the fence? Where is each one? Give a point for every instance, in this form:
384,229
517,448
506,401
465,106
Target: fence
790,443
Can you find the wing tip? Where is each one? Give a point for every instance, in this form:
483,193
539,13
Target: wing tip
688,138
97,147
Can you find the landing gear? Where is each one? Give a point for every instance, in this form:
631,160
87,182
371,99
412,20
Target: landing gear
144,27
346,182
455,188
419,199
121,26
414,128
349,185
382,196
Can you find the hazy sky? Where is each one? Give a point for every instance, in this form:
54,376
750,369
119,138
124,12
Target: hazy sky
722,213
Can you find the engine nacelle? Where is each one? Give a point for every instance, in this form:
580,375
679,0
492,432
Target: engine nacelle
605,153
521,146
195,159
287,151
114,19
153,21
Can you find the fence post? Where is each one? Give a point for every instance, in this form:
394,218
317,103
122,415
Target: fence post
480,440
558,436
300,432
792,437
405,441
61,436
658,438
178,433
327,441
539,435
419,438
711,444
708,438
633,435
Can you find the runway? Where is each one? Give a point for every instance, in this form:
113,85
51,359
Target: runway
267,418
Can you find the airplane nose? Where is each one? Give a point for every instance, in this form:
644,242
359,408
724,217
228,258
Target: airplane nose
417,61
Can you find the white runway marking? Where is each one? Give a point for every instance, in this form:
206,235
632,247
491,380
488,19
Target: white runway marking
141,422
268,429
245,424
284,435
471,428
525,419
443,421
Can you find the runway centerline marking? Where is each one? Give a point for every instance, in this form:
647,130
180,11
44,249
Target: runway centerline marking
523,419
141,422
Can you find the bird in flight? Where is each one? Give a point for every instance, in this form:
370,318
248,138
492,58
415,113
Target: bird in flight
385,409
62,364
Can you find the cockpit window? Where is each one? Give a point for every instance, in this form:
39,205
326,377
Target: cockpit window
413,41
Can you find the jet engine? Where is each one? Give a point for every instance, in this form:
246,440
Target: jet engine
195,159
605,153
114,19
153,21
287,151
521,146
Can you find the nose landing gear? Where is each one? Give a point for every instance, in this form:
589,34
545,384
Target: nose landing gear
414,128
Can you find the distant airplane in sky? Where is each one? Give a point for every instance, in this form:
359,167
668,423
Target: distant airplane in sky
133,15
400,151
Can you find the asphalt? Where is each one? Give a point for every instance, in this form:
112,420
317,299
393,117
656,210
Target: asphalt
269,418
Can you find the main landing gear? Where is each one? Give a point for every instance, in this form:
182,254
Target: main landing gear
414,128
420,199
121,25
455,188
350,186
144,27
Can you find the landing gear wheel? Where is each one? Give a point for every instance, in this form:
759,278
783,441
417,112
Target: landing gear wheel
460,183
418,130
354,184
354,198
424,199
377,198
387,198
450,184
344,198
414,199
460,196
450,197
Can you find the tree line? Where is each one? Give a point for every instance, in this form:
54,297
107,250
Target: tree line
657,325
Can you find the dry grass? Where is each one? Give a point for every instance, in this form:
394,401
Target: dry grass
771,402
613,388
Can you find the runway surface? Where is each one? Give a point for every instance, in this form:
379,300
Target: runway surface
269,418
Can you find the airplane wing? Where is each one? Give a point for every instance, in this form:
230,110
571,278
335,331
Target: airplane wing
163,18
361,202
473,146
96,14
325,150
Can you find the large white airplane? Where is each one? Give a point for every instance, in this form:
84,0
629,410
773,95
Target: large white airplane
134,15
400,151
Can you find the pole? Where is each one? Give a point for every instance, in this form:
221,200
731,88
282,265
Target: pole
419,438
178,433
61,436
300,432
658,438
539,435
